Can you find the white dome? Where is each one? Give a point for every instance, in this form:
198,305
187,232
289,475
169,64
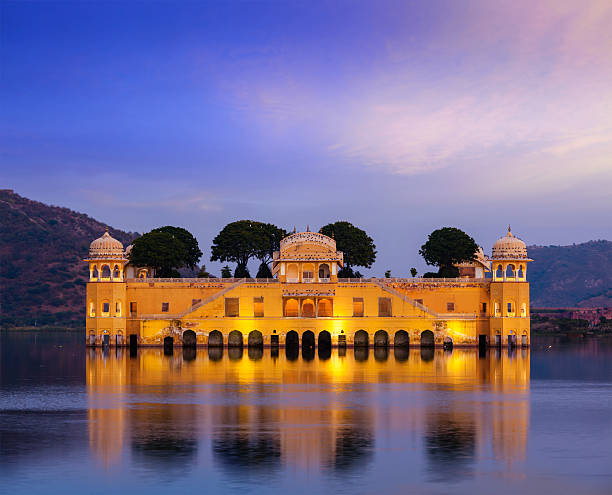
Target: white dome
106,247
509,247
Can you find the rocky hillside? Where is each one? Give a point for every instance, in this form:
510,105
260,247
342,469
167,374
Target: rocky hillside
42,276
570,276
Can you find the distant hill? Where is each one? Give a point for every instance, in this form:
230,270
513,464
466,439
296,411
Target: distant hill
42,276
571,276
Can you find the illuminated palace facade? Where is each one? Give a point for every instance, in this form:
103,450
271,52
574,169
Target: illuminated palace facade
307,304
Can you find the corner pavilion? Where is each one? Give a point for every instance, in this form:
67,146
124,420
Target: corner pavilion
307,304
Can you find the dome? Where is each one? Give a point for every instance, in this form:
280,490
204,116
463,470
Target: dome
106,247
509,247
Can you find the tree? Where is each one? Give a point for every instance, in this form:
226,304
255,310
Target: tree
161,251
191,244
413,272
447,247
357,246
241,271
264,271
240,241
226,272
204,274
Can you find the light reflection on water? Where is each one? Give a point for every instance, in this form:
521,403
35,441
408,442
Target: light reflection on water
259,421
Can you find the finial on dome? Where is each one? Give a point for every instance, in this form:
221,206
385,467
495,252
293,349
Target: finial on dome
294,230
106,229
510,234
307,228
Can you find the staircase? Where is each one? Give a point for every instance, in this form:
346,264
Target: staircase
210,299
396,293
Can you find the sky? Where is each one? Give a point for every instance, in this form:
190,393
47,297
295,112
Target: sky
400,117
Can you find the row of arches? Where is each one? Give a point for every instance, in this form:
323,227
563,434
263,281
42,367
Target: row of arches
509,272
307,272
308,339
105,272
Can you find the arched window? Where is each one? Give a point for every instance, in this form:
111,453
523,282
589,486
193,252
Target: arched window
291,308
292,273
116,272
105,308
523,310
324,272
92,309
94,274
106,273
325,308
521,273
308,308
118,308
510,271
497,309
499,273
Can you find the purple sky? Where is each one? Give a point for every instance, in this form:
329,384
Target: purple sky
400,117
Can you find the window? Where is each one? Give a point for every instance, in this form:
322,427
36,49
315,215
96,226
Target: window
510,271
92,309
497,309
484,307
94,274
323,271
511,308
325,308
450,306
133,308
499,273
116,272
357,306
118,308
307,275
419,301
291,308
258,307
384,306
523,310
521,273
195,301
106,273
165,307
232,306
105,308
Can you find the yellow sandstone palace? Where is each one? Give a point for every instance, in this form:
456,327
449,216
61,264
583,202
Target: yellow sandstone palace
306,303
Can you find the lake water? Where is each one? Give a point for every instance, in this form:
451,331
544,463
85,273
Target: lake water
75,420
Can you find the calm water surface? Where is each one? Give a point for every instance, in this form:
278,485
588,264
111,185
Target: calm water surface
79,420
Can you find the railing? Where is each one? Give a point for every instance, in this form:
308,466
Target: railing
204,280
416,280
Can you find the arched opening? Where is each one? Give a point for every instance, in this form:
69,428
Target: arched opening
325,339
324,272
325,308
496,309
92,338
92,309
215,339
510,308
142,273
106,273
308,272
523,310
292,273
510,271
448,343
401,339
524,340
427,338
189,338
116,272
234,339
291,308
292,339
117,308
361,339
255,339
521,272
381,339
308,339
105,308
94,273
308,308
427,354
168,345
499,273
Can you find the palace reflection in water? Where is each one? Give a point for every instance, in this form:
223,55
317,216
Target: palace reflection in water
257,410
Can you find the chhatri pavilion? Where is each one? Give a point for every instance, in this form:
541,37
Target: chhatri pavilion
307,304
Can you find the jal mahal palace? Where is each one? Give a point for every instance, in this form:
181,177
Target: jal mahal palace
307,304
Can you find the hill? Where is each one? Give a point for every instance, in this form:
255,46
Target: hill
571,276
42,276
